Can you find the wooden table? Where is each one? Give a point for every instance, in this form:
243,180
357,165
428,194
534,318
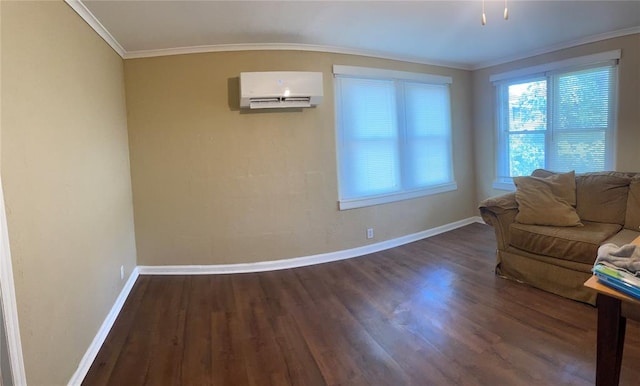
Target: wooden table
612,323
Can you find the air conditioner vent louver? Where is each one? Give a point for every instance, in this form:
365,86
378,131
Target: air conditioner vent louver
267,90
273,103
297,99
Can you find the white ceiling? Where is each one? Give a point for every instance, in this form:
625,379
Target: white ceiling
436,32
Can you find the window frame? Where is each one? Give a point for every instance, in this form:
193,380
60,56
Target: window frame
548,72
399,78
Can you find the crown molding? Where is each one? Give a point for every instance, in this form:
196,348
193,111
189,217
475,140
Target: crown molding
89,18
93,22
557,47
288,47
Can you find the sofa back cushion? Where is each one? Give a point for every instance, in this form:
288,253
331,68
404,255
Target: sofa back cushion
632,220
602,197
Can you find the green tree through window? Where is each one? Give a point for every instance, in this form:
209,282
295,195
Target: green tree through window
560,121
527,124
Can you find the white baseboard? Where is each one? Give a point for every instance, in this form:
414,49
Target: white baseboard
100,337
96,344
264,266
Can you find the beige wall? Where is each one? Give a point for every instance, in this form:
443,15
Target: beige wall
65,170
628,135
211,184
214,185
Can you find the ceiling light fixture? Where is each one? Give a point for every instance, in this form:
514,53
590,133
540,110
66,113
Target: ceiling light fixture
484,16
483,20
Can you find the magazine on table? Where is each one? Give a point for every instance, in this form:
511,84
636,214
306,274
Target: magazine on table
617,278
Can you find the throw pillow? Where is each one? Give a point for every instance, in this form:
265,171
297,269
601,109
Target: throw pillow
563,185
538,204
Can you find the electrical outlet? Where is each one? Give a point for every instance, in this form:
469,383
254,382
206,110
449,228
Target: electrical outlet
122,272
369,233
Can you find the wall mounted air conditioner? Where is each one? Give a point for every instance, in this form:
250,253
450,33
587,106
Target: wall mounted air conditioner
280,89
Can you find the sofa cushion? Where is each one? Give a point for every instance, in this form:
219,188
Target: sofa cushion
632,219
544,201
602,197
579,244
625,236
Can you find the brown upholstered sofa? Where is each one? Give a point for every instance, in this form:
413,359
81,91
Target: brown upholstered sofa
559,259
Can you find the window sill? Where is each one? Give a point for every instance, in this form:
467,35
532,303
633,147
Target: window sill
504,185
388,198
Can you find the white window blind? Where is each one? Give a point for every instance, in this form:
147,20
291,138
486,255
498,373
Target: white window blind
582,119
560,120
370,153
428,131
393,138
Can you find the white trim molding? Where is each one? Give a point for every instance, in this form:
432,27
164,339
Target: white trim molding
553,66
558,47
264,266
504,185
94,23
382,73
8,301
87,16
98,340
288,47
393,197
101,335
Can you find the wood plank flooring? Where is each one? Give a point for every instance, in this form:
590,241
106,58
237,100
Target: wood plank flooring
426,313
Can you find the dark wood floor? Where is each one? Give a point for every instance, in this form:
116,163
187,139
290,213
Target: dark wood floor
427,313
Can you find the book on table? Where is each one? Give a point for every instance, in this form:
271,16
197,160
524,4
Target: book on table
620,279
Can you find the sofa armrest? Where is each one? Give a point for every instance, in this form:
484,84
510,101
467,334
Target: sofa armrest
500,212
